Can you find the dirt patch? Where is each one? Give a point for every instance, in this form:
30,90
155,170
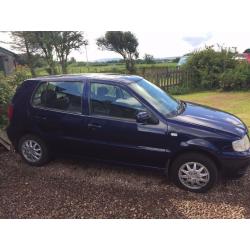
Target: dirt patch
85,189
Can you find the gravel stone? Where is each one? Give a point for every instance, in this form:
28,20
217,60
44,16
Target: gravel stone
67,188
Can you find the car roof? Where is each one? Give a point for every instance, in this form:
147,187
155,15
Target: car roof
91,76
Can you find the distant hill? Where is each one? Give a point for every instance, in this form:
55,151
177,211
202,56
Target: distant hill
116,59
166,58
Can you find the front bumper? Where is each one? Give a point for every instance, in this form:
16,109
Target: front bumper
235,163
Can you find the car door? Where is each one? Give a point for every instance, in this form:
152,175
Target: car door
113,132
57,115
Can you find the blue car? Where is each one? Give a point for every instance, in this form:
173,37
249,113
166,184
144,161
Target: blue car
126,119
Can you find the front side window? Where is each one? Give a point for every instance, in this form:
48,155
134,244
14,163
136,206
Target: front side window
65,96
158,98
111,100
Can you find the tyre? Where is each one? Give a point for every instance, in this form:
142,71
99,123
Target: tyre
194,172
33,150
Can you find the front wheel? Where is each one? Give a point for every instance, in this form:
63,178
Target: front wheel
33,150
194,172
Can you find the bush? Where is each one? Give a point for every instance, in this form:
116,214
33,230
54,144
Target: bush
208,65
237,78
8,86
5,95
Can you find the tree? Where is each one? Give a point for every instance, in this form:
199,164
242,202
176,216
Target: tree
49,43
39,61
44,41
72,60
124,43
86,43
24,41
64,42
149,59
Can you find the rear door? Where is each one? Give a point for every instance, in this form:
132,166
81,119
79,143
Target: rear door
113,132
57,114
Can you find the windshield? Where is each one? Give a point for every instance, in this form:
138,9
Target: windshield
158,98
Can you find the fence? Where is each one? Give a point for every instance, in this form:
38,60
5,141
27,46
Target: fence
165,78
168,78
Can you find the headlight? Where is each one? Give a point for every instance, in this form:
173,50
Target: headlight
242,144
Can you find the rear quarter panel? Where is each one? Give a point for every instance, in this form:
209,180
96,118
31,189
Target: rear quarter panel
21,101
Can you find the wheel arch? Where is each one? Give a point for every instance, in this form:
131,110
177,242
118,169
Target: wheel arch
202,151
23,133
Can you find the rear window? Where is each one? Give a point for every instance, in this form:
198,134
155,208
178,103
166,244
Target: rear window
65,96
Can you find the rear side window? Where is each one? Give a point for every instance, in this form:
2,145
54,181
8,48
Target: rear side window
37,100
66,96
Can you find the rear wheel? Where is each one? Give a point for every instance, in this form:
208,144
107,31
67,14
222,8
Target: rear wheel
194,172
33,150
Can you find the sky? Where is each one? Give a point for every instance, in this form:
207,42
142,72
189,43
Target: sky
159,43
164,28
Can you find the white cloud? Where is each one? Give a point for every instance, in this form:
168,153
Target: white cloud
195,41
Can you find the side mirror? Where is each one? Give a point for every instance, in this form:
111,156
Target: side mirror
145,118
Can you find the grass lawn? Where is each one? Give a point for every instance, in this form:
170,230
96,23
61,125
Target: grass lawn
237,103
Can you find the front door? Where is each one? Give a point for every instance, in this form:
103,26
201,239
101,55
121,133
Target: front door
113,131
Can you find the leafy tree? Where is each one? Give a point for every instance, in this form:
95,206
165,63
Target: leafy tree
49,44
64,42
39,61
72,60
124,43
24,41
44,40
149,59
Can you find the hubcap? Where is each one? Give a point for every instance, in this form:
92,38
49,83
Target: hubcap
31,151
193,175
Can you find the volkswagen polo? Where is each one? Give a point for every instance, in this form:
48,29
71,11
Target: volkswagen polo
126,119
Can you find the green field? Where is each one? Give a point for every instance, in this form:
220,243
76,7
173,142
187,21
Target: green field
107,68
237,103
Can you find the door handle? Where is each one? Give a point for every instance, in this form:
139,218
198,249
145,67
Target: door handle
94,125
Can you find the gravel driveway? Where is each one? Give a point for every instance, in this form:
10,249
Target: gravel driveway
68,188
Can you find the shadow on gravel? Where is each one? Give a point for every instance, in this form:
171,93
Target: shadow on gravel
68,188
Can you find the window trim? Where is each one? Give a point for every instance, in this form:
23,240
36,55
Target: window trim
59,110
112,117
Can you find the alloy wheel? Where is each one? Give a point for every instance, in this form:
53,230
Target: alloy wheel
194,175
31,151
